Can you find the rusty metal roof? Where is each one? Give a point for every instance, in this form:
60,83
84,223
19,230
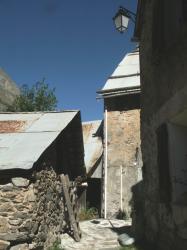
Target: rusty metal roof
25,136
93,148
11,126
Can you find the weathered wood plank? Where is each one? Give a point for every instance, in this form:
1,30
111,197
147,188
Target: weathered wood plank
73,222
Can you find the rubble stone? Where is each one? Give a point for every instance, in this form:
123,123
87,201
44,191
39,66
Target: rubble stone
26,206
4,226
20,182
4,245
125,240
20,247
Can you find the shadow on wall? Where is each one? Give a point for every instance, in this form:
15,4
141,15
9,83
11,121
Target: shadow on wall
137,203
138,220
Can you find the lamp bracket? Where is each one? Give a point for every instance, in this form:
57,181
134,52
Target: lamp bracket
131,14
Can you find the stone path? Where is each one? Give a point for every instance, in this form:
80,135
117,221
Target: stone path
97,234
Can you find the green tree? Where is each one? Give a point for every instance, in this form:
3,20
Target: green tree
35,98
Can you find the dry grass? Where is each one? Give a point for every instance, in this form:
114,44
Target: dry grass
129,248
88,214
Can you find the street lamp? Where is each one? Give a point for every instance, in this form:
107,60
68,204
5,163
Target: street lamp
121,19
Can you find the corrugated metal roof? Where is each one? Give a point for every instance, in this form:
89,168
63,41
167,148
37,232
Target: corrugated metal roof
93,147
126,75
25,136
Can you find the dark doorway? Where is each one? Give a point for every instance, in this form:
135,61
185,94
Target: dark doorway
93,196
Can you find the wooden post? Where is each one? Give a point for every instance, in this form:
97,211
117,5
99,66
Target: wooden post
71,207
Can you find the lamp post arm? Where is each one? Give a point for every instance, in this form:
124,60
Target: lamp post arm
130,12
133,19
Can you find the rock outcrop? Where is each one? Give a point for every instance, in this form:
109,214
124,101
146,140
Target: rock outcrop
8,91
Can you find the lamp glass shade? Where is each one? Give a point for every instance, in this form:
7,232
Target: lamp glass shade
121,20
125,21
118,22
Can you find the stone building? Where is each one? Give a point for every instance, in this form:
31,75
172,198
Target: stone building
122,154
161,29
35,149
8,90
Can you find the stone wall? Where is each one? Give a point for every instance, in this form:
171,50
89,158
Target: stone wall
31,211
164,95
123,155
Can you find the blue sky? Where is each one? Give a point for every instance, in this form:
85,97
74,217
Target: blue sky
72,43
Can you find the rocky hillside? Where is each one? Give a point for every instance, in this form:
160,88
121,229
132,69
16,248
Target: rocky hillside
8,90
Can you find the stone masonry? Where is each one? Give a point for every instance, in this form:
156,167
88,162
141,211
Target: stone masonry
123,153
31,211
163,62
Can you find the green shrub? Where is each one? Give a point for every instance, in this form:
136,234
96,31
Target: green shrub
56,246
122,215
88,214
132,247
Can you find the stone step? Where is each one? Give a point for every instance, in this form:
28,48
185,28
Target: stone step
93,245
108,247
108,243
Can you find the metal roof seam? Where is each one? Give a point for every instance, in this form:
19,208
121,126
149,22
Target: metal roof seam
126,74
123,76
40,112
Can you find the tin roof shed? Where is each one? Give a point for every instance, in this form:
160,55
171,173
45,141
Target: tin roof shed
25,136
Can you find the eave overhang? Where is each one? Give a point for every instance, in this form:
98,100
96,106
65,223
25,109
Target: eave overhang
139,20
102,94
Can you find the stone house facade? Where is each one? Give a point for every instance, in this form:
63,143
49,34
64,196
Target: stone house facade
8,90
35,149
122,153
161,29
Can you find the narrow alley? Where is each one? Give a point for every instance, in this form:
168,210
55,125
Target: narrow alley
97,234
